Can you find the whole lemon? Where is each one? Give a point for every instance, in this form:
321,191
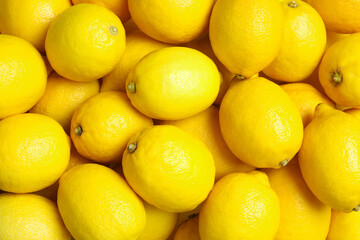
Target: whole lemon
241,206
329,158
30,217
246,35
169,168
85,42
96,203
173,83
22,76
260,123
35,151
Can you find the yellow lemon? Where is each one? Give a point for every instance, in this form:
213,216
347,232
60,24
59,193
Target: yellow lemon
344,226
205,126
30,217
96,203
171,21
138,45
85,42
246,35
241,206
159,224
302,216
22,76
173,83
62,97
169,168
260,123
103,124
188,230
35,151
30,20
303,44
340,16
353,111
119,7
329,158
306,97
339,71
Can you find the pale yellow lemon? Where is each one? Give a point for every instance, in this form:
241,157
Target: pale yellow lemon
169,168
102,125
344,226
22,76
188,230
85,42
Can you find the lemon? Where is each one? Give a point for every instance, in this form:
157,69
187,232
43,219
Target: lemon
246,35
241,206
205,126
34,152
344,226
85,42
306,97
303,44
333,37
339,71
138,45
173,83
169,168
62,97
188,230
96,203
353,111
302,216
159,224
171,21
261,125
30,217
103,124
329,157
30,20
119,7
22,76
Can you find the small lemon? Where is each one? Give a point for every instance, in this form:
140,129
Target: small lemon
173,83
344,226
85,42
188,230
241,206
96,203
169,168
35,151
30,217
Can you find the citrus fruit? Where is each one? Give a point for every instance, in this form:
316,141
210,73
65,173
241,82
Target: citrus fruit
189,229
344,226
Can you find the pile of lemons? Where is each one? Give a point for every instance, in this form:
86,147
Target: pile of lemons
179,120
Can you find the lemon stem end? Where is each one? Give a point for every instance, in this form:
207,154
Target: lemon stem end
131,87
132,147
78,130
293,4
336,77
357,208
284,163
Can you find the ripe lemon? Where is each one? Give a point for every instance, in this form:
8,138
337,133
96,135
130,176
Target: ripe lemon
205,126
339,71
62,97
303,44
302,215
159,224
85,42
30,217
329,158
103,124
138,45
22,76
119,7
340,16
96,203
246,35
188,230
306,97
34,152
261,125
344,226
171,21
173,83
241,206
169,168
30,20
